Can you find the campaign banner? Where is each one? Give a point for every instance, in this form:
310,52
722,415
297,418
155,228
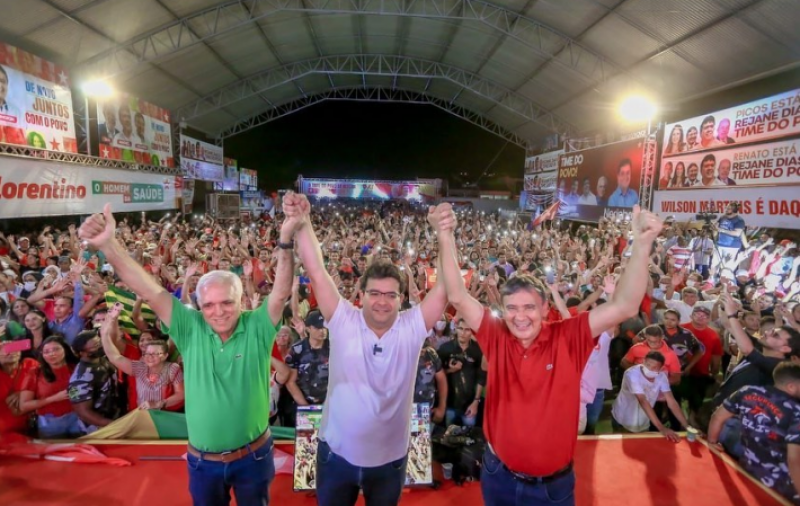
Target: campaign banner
768,164
547,162
367,189
593,180
231,178
778,208
35,102
201,160
187,194
134,130
765,119
31,188
248,180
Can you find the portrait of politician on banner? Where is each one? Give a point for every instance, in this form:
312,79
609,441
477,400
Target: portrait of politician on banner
595,180
762,120
133,130
35,102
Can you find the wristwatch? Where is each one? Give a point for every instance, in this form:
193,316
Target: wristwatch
286,245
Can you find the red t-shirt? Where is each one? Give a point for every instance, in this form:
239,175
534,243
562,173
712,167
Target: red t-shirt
709,339
638,351
531,417
35,382
8,385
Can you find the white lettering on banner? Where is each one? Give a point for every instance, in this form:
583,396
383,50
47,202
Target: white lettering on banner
779,208
30,188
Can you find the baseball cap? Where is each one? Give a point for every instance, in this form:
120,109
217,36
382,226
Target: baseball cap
703,309
315,319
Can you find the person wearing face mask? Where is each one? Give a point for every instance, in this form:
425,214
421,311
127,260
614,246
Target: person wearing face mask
770,421
29,282
642,385
93,386
440,334
654,341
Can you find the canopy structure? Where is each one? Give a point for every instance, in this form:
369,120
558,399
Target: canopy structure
521,69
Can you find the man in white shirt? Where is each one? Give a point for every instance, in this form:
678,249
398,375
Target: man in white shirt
641,387
374,354
587,198
595,381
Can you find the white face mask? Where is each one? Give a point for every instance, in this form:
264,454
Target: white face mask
440,325
29,286
691,283
663,288
648,373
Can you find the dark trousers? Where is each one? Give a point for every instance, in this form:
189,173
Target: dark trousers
501,488
339,481
210,482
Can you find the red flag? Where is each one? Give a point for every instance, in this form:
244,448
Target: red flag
67,452
547,214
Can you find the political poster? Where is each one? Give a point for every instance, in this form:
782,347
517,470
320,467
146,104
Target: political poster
35,102
541,174
231,178
31,188
248,180
762,120
201,160
368,189
596,180
135,131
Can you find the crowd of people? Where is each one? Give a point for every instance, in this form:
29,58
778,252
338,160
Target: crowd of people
678,324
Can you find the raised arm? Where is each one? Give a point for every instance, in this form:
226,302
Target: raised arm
284,272
443,220
731,322
108,333
311,255
632,285
98,230
434,303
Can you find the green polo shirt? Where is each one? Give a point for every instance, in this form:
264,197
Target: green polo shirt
227,384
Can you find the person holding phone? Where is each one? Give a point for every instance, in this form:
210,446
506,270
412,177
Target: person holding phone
13,370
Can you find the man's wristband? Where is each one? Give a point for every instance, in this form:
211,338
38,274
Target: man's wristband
285,245
733,316
478,399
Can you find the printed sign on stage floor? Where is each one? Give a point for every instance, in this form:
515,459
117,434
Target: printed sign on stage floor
309,420
35,102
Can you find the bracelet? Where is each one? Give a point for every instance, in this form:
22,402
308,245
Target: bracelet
285,245
733,316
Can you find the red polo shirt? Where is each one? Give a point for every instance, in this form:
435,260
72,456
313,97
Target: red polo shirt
712,345
531,417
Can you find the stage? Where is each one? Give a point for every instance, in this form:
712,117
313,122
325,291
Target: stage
611,470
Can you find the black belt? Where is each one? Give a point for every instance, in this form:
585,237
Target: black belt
527,478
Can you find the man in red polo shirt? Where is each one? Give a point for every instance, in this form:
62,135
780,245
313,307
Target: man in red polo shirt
535,367
706,371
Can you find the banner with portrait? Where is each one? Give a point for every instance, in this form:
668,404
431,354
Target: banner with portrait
368,189
32,188
778,208
761,120
134,130
201,160
768,164
35,102
231,178
594,180
248,180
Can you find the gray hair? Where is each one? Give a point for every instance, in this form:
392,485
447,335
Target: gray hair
524,282
220,277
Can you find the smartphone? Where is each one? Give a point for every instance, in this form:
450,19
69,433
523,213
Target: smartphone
551,276
15,346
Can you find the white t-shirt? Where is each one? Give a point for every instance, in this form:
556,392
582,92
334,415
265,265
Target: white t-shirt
596,374
626,409
686,310
367,411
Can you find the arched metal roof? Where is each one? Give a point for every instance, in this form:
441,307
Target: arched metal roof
519,68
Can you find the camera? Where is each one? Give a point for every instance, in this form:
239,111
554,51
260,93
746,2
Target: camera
706,218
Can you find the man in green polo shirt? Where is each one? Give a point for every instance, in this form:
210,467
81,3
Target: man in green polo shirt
226,355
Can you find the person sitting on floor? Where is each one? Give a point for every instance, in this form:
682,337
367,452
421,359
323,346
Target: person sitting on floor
770,419
642,385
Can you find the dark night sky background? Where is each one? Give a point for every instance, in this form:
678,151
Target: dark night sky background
374,140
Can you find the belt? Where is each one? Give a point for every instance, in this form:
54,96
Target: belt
232,455
527,478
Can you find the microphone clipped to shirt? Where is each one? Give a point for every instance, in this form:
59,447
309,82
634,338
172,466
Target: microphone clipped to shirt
376,349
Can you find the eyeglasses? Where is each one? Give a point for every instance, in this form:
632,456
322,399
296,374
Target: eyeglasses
153,354
463,329
388,295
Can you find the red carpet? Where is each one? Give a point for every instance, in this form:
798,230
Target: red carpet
629,471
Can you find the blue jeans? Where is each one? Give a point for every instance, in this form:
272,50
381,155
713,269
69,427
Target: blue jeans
210,482
453,414
593,411
338,481
731,437
55,427
501,488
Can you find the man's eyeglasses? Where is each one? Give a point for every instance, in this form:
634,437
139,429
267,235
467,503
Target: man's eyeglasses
388,295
